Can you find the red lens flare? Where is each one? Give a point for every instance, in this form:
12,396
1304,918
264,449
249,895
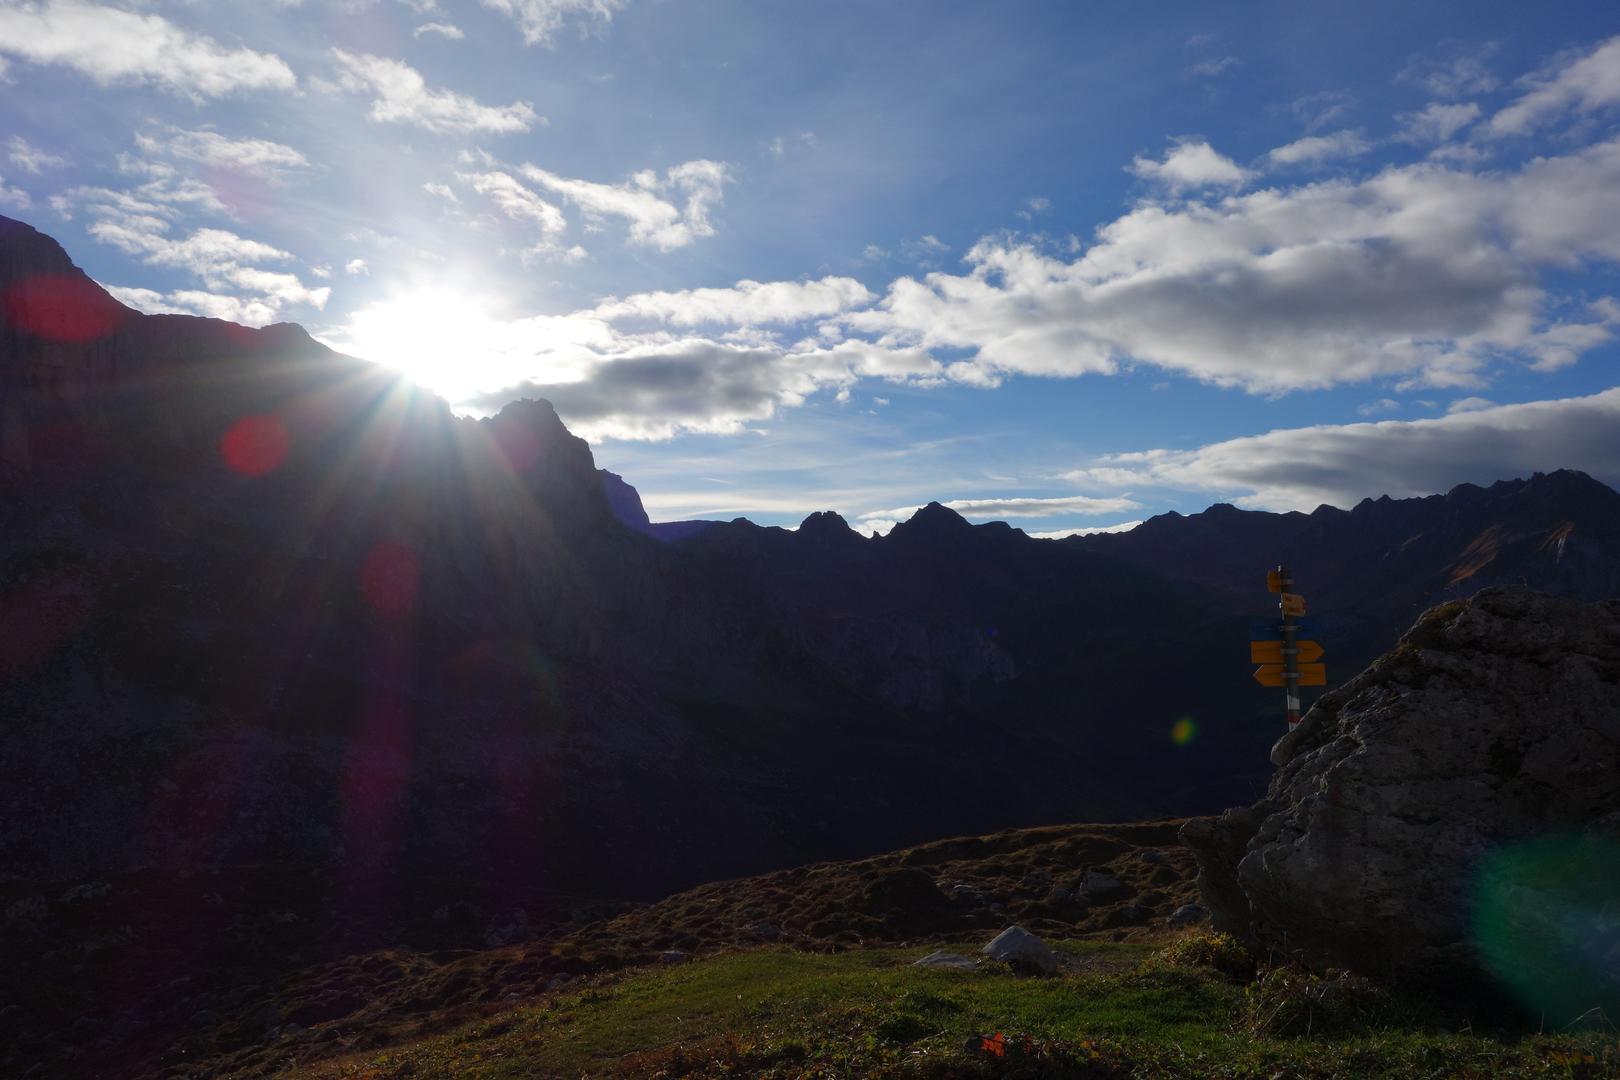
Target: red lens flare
389,578
61,307
254,446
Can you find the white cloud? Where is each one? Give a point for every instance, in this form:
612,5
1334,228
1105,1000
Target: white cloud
1214,66
14,197
996,509
1314,149
449,31
1382,405
517,202
114,46
356,266
748,303
621,387
1034,205
1318,110
1086,530
220,151
1436,122
1584,83
237,287
1191,163
1301,468
443,191
541,19
246,311
29,158
1459,71
653,220
399,95
1421,271
1470,404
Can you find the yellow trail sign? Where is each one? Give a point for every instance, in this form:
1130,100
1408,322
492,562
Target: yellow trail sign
1293,604
1273,675
1274,580
1271,652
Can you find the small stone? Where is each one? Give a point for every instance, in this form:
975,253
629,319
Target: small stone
674,956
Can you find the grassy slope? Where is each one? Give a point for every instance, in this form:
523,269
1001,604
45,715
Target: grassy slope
799,972
1120,1010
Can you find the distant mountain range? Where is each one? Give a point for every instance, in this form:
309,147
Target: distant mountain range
260,601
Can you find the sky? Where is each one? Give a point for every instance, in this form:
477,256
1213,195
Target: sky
1063,265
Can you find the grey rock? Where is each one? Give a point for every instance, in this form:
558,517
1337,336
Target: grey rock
1189,914
941,958
1022,949
1495,721
674,956
513,927
1097,885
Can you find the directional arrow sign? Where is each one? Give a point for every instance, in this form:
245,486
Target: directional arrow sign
1271,652
1273,675
1293,604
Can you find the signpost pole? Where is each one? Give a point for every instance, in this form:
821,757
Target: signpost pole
1290,649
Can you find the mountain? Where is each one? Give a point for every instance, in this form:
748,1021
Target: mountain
264,603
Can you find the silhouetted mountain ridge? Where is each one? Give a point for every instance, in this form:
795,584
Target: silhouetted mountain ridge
261,601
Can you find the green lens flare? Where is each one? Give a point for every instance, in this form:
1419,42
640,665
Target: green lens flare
1184,731
1546,923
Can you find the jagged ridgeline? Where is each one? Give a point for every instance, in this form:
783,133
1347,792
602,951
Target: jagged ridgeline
261,601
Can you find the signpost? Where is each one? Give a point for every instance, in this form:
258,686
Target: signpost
1273,652
1286,659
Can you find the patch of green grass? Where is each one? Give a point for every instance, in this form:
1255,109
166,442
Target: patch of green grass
774,1012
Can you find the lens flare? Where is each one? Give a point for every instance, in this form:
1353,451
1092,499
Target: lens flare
1184,731
1546,923
389,578
254,446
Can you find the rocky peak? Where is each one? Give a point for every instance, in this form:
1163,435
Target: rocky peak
26,252
932,523
625,501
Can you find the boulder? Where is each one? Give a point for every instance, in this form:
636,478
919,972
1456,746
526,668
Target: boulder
1023,950
1406,831
940,958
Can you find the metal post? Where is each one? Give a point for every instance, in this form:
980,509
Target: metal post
1290,649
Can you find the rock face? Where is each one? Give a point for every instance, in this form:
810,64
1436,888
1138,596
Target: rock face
1495,724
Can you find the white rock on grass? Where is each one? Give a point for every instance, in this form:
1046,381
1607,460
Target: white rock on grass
940,958
1022,949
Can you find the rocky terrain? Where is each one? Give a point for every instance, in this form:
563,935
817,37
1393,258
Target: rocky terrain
1450,816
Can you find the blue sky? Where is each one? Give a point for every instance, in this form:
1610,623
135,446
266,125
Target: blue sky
1064,265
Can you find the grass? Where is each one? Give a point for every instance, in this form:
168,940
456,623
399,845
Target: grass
1119,1010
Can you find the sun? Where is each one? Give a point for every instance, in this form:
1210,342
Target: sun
438,338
